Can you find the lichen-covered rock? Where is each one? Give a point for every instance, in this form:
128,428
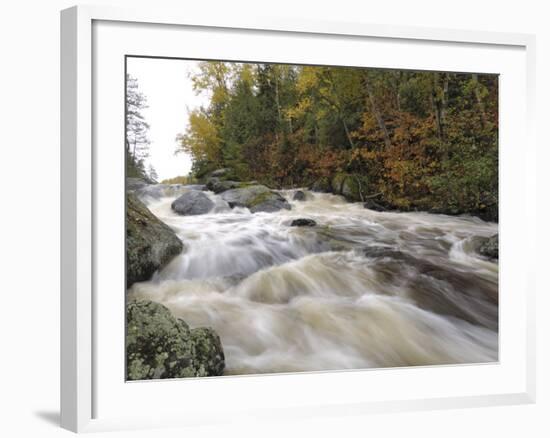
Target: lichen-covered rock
257,198
159,346
192,203
303,222
150,243
489,247
299,196
208,350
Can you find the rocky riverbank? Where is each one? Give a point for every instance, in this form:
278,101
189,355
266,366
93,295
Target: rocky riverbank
150,243
356,188
158,345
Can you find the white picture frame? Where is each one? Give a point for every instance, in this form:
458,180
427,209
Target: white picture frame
92,393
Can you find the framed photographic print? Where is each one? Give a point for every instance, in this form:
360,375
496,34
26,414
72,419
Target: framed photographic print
249,208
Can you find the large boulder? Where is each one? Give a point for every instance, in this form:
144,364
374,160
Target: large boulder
488,247
192,203
219,186
256,198
150,243
159,346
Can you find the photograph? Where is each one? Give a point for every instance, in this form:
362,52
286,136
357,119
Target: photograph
287,218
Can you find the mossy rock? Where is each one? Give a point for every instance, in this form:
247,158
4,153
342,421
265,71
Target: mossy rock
257,198
159,346
150,243
323,184
219,186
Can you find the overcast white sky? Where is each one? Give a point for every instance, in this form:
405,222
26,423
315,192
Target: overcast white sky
170,97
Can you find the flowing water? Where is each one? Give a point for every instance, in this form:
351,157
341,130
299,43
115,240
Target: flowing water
361,289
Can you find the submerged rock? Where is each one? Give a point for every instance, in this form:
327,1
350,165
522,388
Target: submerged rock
150,243
192,203
488,247
371,204
303,222
439,288
380,252
257,198
159,346
271,205
299,196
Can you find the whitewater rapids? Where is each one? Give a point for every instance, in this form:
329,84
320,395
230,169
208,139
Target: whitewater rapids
362,289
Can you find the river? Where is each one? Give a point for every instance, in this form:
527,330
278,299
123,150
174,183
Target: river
362,289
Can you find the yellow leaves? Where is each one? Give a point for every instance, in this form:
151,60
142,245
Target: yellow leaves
212,76
307,79
360,156
300,109
201,138
246,74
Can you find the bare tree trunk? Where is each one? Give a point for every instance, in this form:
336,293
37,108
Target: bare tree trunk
316,133
437,106
439,98
444,101
399,79
277,103
377,114
359,186
347,131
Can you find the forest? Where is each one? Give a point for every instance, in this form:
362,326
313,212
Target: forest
412,140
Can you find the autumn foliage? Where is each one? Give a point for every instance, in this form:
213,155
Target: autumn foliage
422,140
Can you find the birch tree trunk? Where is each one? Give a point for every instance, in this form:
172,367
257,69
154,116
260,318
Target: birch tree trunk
439,98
